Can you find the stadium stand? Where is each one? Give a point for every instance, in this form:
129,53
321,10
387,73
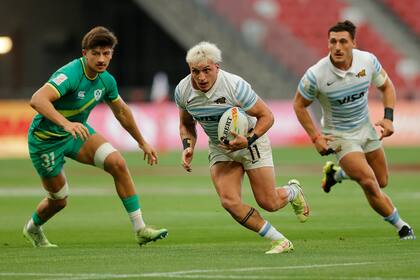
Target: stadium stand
408,11
294,33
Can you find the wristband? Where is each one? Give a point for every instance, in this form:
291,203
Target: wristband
252,139
186,143
389,114
315,138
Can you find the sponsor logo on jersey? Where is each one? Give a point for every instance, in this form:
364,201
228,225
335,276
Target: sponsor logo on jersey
60,79
208,118
362,73
351,98
330,83
81,95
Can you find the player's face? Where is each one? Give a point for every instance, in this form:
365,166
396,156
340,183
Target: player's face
341,47
204,75
98,59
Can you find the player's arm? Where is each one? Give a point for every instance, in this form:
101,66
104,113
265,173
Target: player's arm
265,121
188,134
42,101
388,92
300,105
125,117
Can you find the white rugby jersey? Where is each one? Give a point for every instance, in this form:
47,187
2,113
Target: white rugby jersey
343,95
206,108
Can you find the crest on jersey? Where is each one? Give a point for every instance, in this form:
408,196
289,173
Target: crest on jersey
97,93
221,100
60,79
361,73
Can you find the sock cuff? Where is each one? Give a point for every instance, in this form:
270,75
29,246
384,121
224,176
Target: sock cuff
394,217
131,203
264,229
37,220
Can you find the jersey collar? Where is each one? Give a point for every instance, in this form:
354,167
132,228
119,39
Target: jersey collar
83,61
339,72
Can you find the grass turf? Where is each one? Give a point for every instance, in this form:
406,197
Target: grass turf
343,239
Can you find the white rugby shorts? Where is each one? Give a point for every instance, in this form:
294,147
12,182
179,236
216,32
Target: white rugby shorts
258,155
362,139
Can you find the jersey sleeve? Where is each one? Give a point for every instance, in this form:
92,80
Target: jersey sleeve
112,89
245,95
377,77
308,86
61,82
178,98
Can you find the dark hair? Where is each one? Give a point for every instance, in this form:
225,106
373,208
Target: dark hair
99,36
344,26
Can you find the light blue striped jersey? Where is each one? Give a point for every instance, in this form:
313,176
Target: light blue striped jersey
206,108
343,95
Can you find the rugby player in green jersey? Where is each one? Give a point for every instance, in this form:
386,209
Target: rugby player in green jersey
60,129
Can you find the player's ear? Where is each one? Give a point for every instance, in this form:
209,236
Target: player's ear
84,52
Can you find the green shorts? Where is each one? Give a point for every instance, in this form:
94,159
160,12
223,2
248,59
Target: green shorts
47,156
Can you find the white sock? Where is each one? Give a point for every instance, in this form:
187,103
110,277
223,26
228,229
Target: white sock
269,232
395,220
340,175
293,191
137,220
30,226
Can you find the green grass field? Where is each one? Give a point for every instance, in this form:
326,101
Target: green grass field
343,239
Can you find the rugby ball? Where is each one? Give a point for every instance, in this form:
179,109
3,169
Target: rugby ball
233,119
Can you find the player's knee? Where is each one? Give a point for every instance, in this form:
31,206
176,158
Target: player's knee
270,205
370,187
116,164
58,200
383,181
229,203
102,153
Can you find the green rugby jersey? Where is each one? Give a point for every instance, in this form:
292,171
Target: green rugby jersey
78,96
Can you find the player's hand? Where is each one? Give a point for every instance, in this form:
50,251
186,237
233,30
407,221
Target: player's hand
77,129
387,128
149,154
322,146
237,143
187,156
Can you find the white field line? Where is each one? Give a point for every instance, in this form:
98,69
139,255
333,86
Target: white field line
198,273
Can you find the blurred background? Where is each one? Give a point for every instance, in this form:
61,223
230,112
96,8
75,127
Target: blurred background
270,43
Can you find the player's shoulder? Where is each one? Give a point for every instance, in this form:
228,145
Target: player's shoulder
108,79
72,69
184,85
231,78
69,73
363,57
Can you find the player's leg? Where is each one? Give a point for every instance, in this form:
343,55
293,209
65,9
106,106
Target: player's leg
270,198
258,163
98,152
357,167
377,161
227,177
56,200
48,160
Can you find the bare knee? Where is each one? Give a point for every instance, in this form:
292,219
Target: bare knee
370,186
116,165
383,181
230,204
269,204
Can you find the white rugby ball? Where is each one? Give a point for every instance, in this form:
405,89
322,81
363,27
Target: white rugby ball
234,120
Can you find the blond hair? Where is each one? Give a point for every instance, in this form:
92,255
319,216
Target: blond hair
202,52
